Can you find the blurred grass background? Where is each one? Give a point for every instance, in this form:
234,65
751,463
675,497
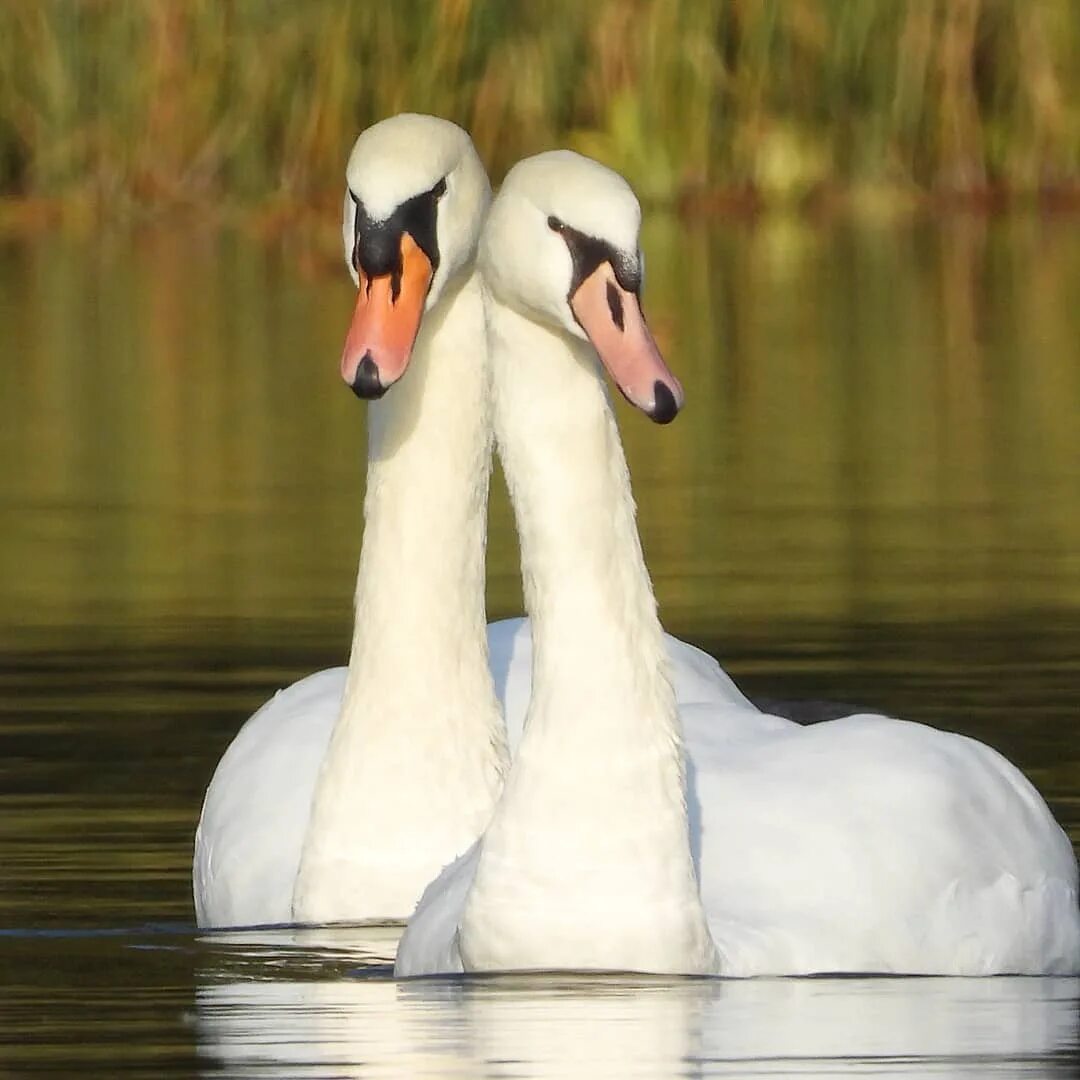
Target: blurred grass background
109,107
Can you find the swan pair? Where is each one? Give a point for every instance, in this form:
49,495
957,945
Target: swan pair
653,820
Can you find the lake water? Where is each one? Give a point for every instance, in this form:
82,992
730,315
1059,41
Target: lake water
873,497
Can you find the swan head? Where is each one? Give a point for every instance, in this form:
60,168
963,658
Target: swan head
416,194
562,245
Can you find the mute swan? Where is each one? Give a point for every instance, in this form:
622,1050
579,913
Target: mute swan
344,794
349,790
864,844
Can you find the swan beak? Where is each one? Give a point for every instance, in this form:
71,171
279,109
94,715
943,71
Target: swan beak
612,318
384,326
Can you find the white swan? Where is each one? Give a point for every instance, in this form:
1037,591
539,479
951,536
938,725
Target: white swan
344,794
349,790
865,844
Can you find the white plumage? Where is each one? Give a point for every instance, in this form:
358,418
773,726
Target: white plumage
258,805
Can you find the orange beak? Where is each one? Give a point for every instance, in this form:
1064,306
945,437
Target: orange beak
615,324
385,323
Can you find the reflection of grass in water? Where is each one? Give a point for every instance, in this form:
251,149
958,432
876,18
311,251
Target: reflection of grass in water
880,425
142,101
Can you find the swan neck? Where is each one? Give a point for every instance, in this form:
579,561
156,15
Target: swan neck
418,751
587,861
420,580
583,569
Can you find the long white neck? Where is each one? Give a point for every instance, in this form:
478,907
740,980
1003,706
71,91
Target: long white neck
587,861
418,753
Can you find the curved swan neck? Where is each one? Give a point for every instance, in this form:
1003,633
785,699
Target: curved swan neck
416,758
587,861
420,581
584,573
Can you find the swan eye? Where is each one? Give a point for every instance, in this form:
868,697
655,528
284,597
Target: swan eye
555,224
439,190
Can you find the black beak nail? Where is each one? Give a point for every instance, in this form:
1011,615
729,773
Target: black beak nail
666,408
365,384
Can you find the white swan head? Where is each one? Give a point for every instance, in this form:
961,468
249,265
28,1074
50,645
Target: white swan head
415,199
561,245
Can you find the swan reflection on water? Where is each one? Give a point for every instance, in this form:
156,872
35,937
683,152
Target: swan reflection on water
322,1003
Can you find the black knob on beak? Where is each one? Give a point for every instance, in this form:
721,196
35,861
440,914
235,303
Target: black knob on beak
366,383
666,408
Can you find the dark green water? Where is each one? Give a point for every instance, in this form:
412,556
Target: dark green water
873,497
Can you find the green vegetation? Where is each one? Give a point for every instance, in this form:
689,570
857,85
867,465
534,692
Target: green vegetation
114,104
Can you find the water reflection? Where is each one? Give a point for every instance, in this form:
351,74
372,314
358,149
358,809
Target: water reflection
871,497
576,1026
881,426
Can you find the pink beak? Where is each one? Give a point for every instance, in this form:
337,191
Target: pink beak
613,319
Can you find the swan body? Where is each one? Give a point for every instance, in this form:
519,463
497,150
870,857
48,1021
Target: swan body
871,844
258,806
708,838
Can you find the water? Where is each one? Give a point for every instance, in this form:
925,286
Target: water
871,498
